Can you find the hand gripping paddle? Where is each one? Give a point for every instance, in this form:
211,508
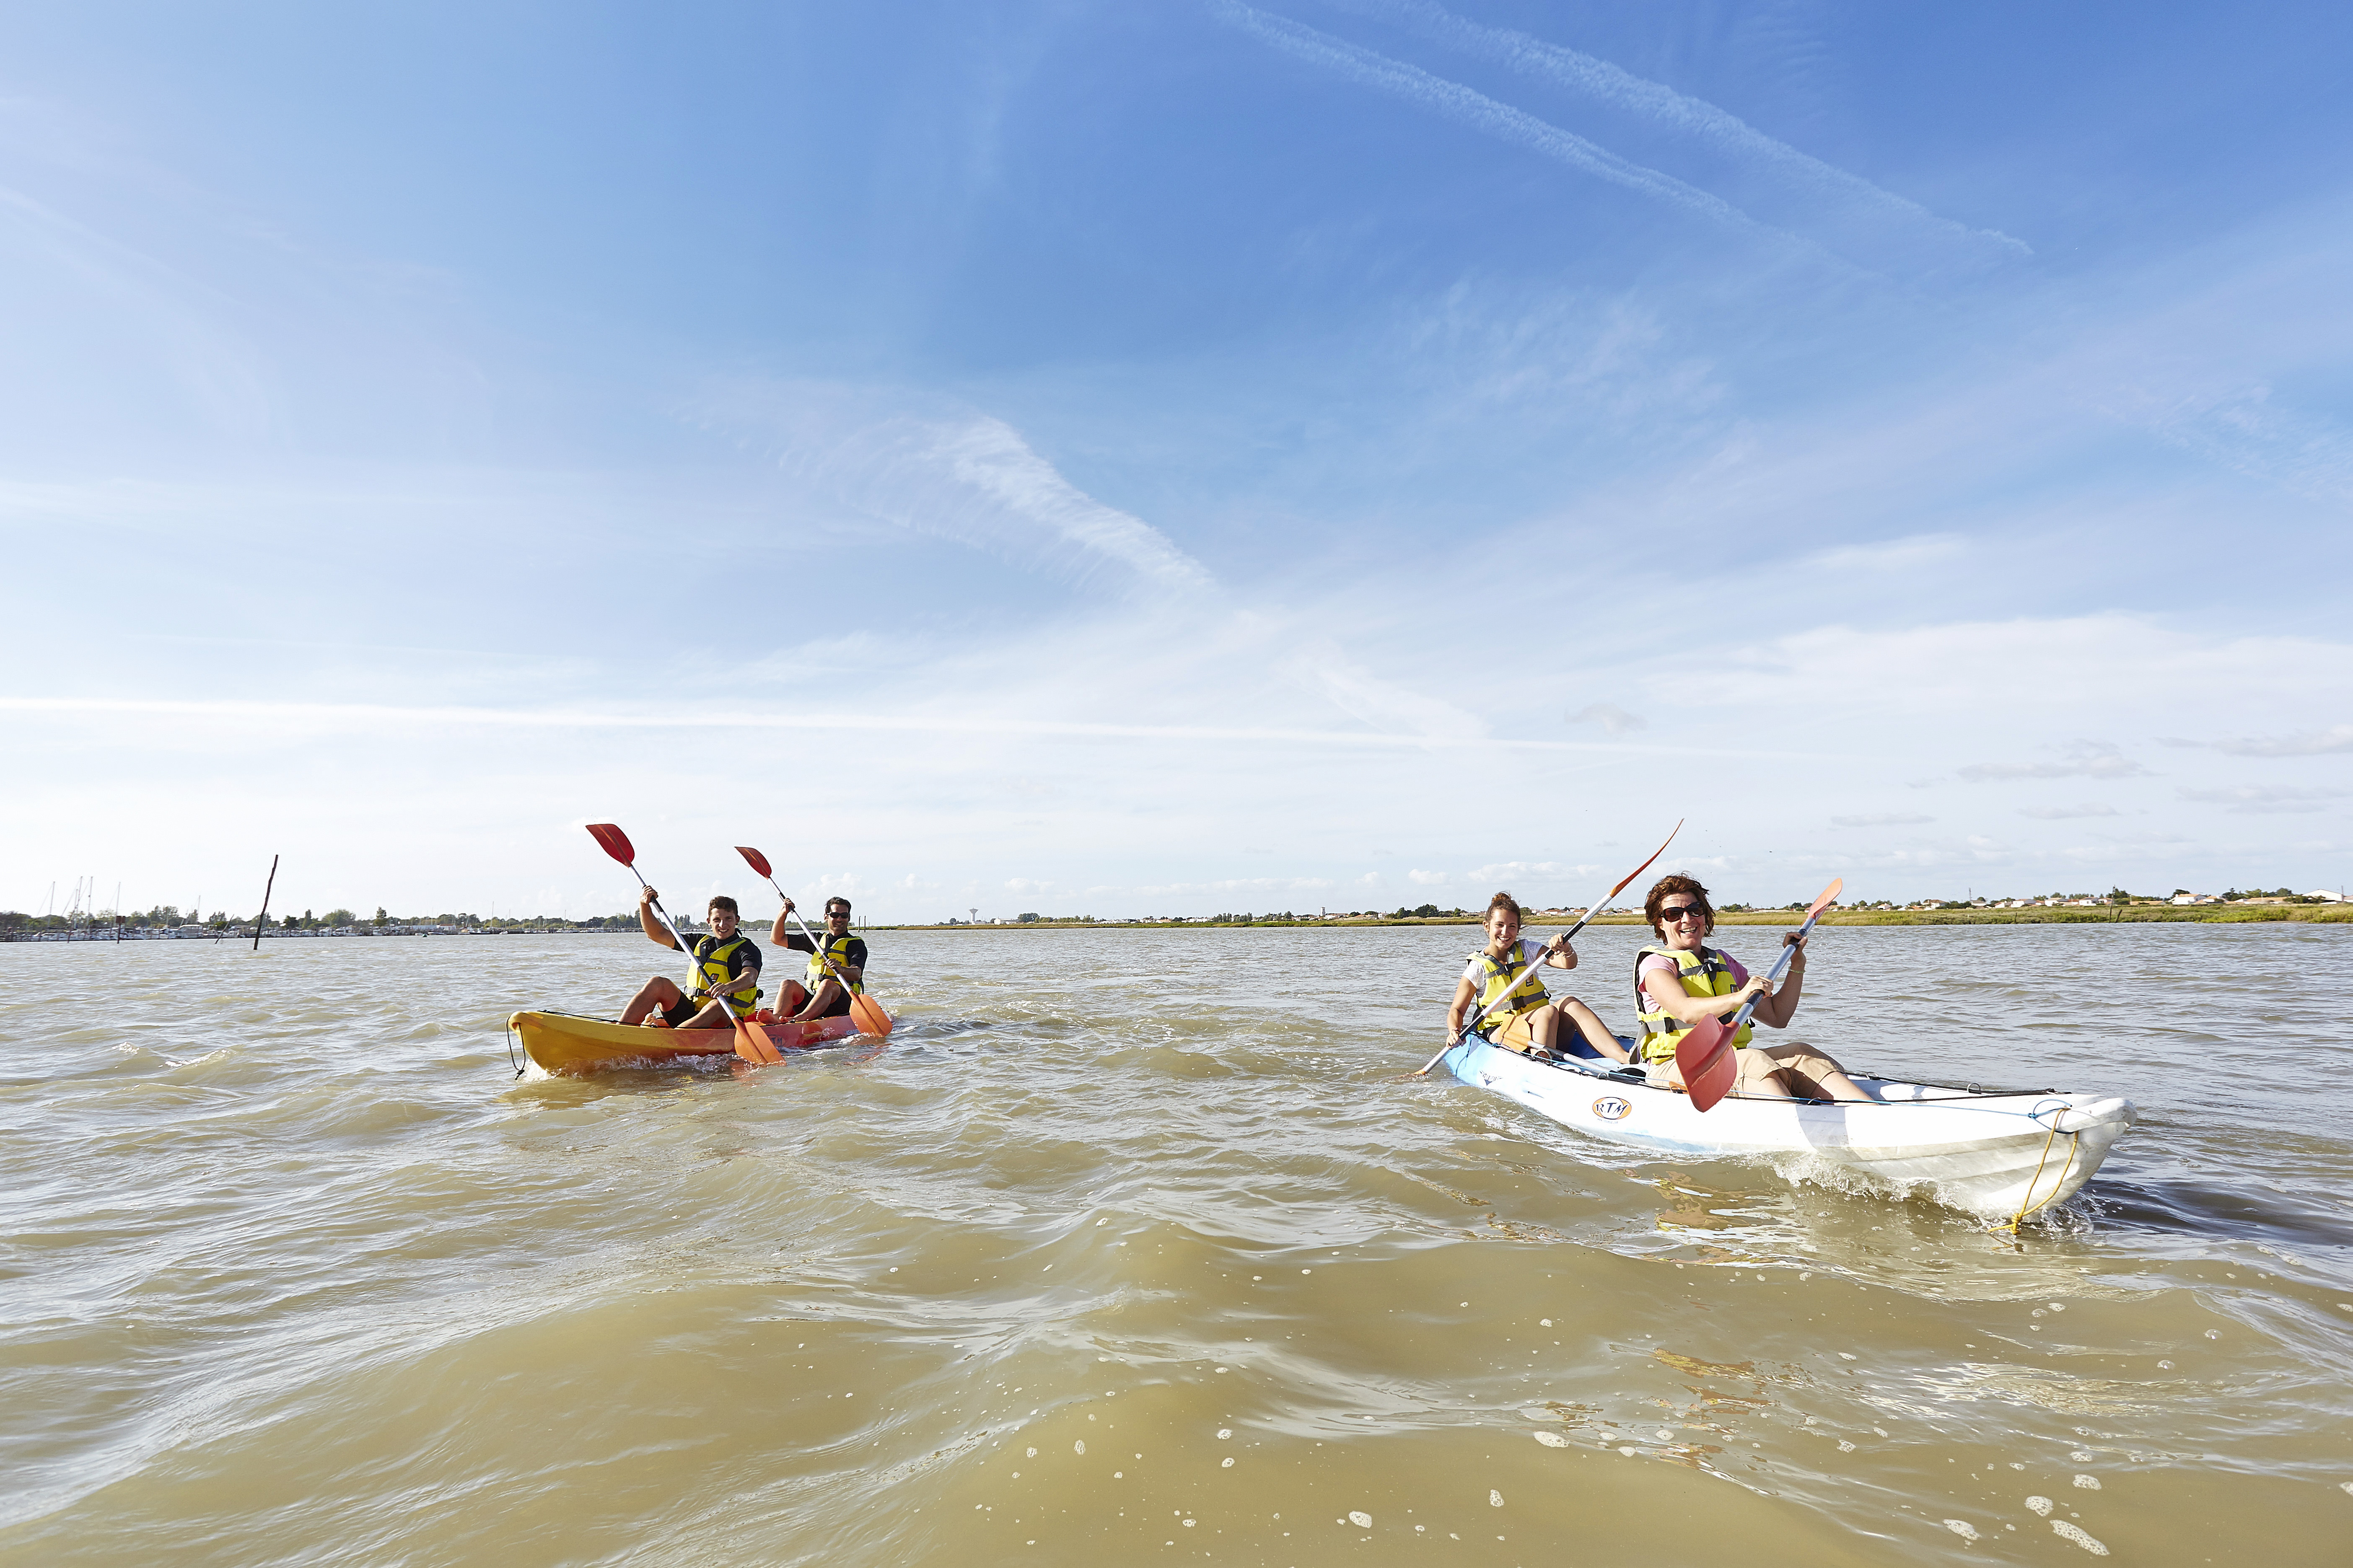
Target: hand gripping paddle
866,1011
751,1043
1591,909
1704,1056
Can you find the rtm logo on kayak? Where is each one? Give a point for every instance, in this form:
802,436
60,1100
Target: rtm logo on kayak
1609,1108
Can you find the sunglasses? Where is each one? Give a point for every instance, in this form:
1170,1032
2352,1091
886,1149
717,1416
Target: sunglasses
837,914
1671,914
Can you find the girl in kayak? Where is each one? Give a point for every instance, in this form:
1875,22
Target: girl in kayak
1679,980
1522,1016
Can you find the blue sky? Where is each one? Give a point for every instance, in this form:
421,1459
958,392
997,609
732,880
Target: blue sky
1113,458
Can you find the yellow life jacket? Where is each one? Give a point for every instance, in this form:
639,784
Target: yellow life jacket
711,956
1514,980
1703,974
836,948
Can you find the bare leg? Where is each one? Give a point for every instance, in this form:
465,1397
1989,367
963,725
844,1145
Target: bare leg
1596,1033
789,1000
828,990
1800,1071
714,1016
661,992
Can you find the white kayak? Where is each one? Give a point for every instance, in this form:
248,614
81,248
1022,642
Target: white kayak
1999,1154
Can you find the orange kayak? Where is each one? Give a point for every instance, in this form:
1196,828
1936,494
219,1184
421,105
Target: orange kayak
567,1043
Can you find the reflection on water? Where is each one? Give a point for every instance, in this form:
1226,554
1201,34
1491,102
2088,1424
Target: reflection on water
1142,1242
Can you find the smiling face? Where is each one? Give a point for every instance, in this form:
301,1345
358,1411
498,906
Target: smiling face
723,923
1682,922
1503,929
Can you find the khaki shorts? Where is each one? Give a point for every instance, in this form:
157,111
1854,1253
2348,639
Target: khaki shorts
1758,1065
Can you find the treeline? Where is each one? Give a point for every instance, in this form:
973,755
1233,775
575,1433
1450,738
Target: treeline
167,917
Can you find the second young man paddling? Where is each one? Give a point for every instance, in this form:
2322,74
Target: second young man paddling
837,966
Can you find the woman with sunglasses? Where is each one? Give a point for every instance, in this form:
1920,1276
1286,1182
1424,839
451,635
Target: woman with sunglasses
1499,986
1679,980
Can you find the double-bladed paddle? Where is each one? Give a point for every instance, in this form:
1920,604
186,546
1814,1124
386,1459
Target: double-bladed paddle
863,1009
751,1043
1705,1055
1591,909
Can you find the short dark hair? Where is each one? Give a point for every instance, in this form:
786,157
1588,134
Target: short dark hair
837,898
1502,901
1676,882
722,901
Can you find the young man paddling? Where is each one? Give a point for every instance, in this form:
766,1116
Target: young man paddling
818,994
725,961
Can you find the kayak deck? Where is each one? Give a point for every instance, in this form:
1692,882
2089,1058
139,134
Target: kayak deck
568,1043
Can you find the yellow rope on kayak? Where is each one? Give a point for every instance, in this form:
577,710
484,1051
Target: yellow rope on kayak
2028,1206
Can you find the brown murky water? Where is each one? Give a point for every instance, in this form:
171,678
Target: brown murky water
1133,1244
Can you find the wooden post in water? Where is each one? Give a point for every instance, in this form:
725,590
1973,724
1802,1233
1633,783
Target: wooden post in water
263,918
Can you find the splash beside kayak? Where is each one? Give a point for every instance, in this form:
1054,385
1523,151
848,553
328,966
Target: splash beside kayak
568,1043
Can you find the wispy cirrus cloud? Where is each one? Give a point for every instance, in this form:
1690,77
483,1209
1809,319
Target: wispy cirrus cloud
2067,813
1661,106
952,473
1883,819
1480,113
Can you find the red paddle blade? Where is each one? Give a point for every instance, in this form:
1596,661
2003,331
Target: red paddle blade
752,1043
1830,896
868,1014
614,841
1646,865
1704,1058
758,862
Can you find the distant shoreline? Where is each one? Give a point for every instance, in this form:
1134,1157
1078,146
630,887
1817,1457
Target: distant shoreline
2201,914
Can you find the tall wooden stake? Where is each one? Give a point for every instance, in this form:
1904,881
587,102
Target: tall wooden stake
263,918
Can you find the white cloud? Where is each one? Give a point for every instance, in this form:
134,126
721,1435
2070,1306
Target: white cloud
2067,813
1889,819
2086,760
1612,719
1429,879
1895,555
2302,743
2264,800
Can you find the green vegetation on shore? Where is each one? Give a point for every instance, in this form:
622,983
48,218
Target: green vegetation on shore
2106,914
